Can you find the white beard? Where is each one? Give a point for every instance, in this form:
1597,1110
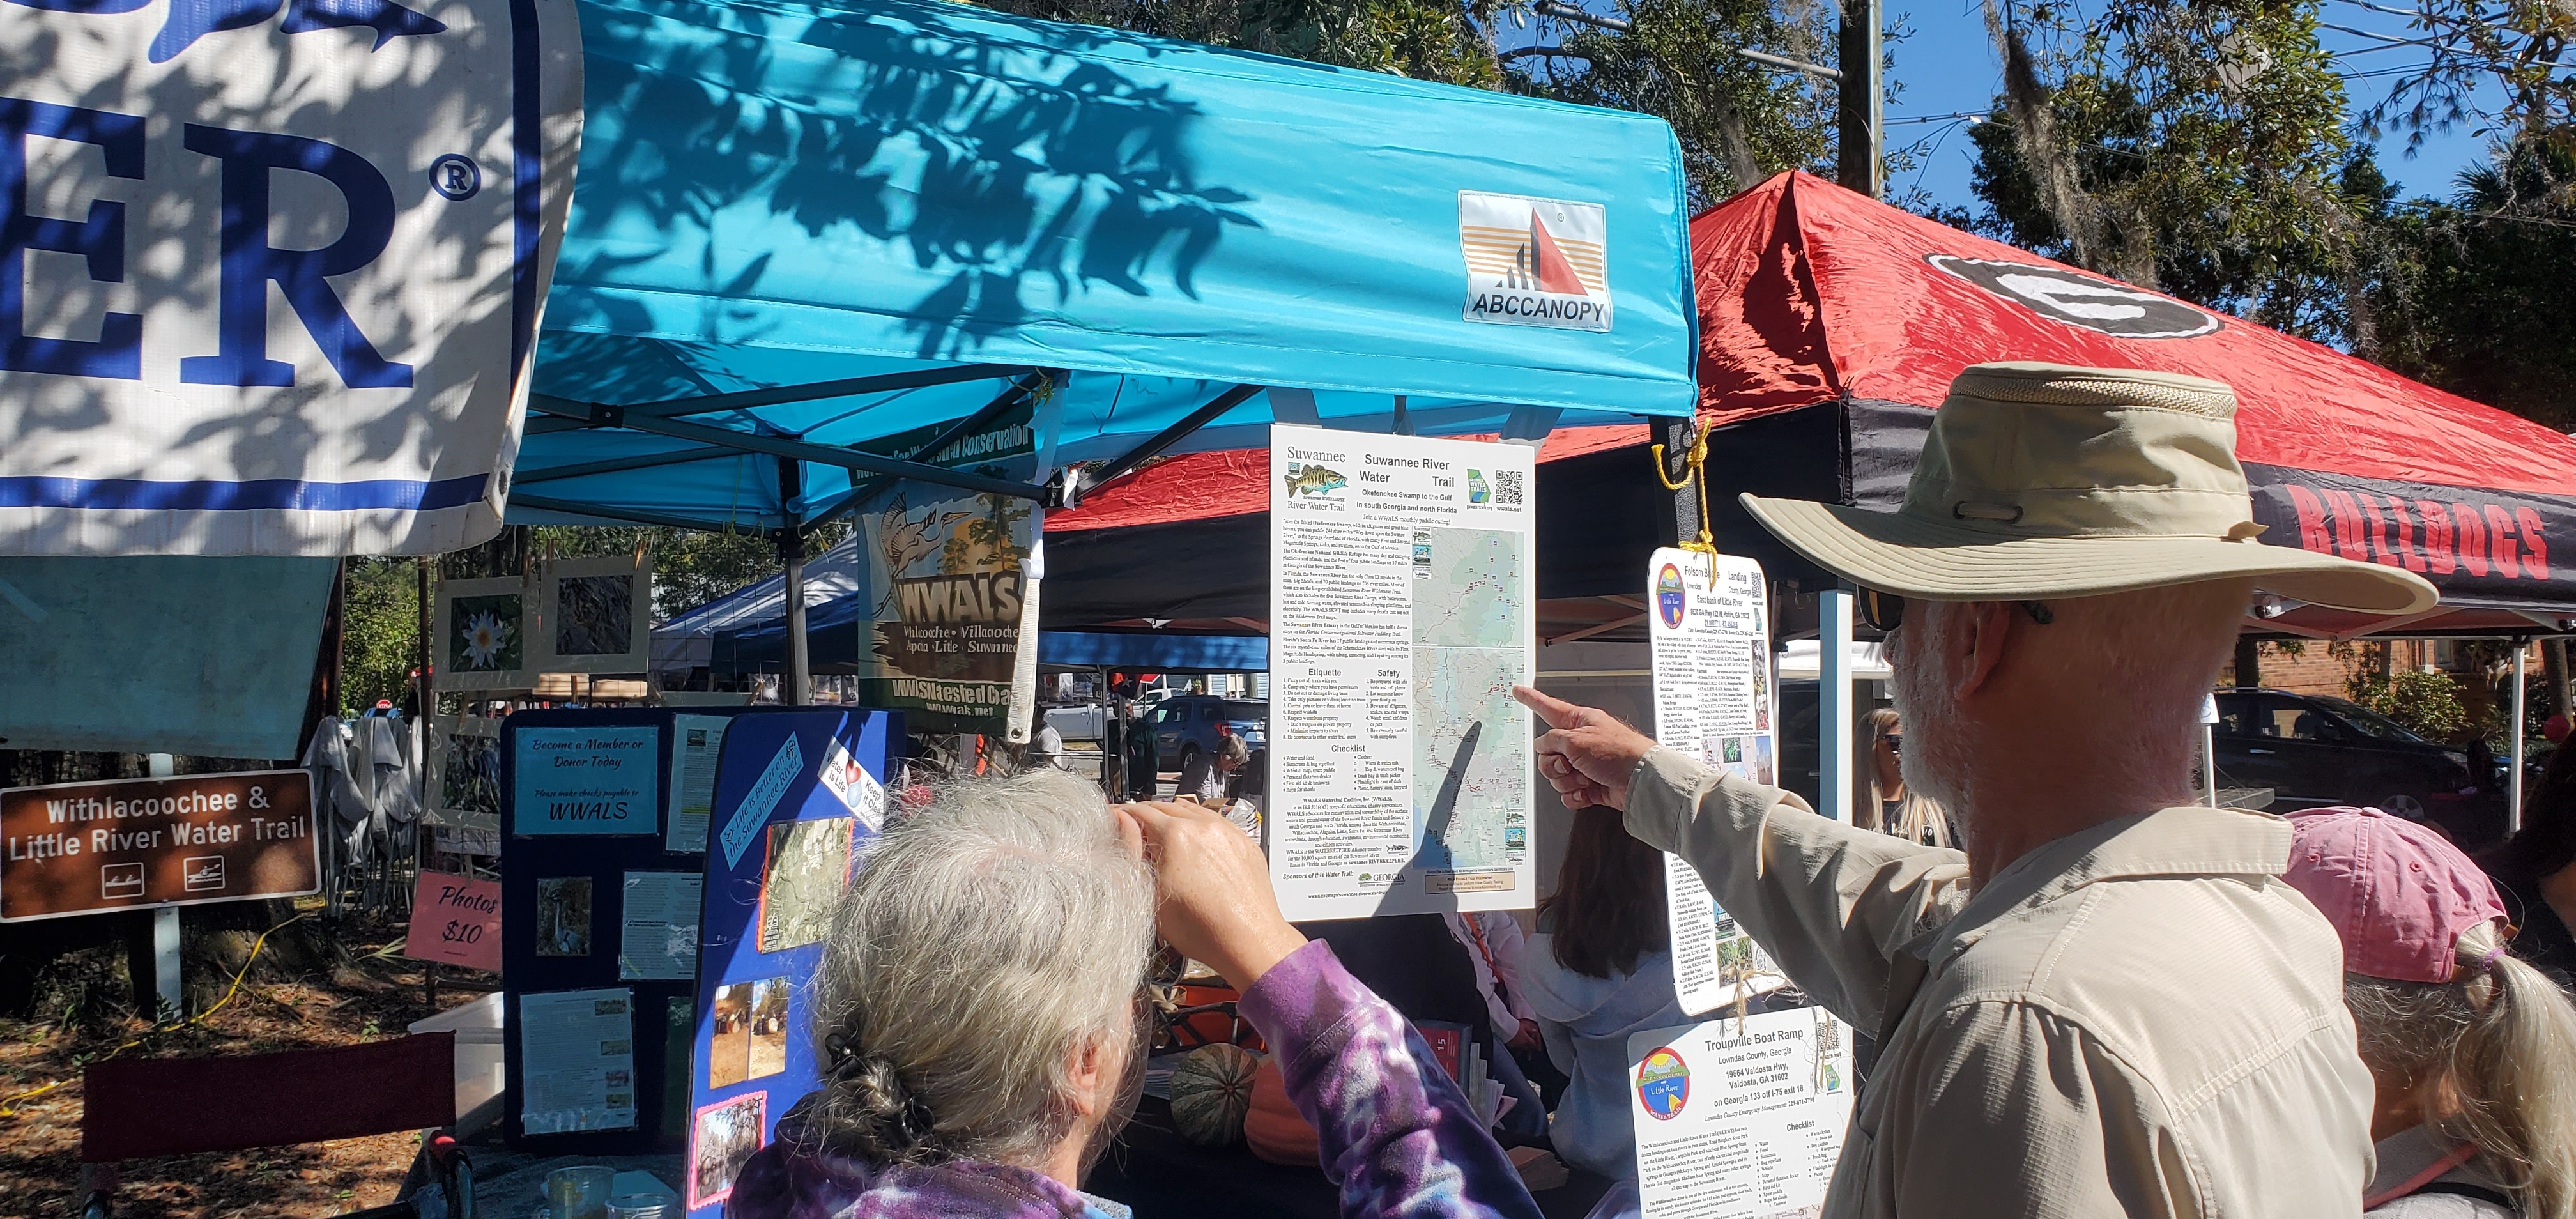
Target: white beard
1933,764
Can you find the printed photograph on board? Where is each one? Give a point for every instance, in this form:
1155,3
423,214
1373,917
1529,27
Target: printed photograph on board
729,1051
808,866
483,634
726,1135
480,634
768,1026
469,770
563,916
594,615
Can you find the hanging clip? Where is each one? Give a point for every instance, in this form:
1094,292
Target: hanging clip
1692,462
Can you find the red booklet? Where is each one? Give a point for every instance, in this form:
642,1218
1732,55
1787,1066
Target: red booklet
1447,1039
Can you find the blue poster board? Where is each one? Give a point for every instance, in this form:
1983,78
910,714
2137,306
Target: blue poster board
796,794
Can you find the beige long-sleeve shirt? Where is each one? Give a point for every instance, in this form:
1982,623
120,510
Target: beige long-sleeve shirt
2137,1019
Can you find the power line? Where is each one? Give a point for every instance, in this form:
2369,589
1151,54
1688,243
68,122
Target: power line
2382,8
2386,39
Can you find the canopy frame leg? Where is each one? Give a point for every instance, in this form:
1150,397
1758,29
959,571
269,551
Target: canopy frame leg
2513,738
799,691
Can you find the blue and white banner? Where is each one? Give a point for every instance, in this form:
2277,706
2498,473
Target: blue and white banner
270,269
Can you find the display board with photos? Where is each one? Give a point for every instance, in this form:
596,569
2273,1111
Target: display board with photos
601,908
796,794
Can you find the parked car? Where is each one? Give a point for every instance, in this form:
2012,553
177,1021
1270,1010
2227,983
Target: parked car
1184,724
1077,723
2314,751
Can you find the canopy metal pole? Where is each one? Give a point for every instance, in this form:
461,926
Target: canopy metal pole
2209,766
791,555
2513,737
1152,448
800,678
1113,737
1834,608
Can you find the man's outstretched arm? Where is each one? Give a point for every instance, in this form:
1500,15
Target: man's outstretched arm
1830,902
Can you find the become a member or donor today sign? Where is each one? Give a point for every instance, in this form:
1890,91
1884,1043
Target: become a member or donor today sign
604,780
82,848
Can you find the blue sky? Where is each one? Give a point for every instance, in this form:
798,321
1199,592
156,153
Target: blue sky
1947,65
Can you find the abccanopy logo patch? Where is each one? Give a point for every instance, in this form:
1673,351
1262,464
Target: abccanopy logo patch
1535,262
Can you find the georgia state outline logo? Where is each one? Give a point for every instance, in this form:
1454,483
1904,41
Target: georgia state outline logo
2076,298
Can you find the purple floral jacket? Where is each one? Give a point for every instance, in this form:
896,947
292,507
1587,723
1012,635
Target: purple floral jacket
1396,1133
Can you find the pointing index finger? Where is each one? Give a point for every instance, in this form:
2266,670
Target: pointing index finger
1556,711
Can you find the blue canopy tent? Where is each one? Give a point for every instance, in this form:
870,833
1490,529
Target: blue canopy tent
802,230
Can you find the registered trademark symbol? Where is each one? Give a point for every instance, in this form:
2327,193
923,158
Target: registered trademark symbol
455,176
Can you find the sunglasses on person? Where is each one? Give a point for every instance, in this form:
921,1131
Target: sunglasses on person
1885,612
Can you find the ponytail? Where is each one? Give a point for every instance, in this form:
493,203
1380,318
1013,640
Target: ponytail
2513,1070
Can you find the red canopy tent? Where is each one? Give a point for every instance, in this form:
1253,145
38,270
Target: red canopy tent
1830,328
1186,542
1817,300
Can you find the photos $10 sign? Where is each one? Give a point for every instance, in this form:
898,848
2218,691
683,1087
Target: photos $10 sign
270,270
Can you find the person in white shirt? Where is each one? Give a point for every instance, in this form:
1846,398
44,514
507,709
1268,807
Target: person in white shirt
1492,939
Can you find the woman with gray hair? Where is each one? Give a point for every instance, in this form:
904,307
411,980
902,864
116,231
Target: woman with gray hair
981,1014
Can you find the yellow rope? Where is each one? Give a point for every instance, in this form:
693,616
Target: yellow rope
1692,473
8,1106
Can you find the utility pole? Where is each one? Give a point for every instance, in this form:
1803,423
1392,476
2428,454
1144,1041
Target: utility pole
1863,100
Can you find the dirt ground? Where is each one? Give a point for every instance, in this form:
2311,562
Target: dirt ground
373,995
729,1058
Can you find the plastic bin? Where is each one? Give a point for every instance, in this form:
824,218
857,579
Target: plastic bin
477,1026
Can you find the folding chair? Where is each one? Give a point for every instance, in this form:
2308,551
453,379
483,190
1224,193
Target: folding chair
132,1108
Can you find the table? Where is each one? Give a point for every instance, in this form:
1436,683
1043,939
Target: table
1163,1176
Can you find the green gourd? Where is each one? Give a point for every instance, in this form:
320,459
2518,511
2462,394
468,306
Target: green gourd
1211,1090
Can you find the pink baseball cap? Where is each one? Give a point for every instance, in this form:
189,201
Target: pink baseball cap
2397,893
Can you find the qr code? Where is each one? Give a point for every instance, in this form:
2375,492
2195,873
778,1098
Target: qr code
1507,486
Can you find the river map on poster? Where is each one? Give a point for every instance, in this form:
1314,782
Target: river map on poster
1402,616
1468,618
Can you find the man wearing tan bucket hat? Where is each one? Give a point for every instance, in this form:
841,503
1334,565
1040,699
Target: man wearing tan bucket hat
2109,1003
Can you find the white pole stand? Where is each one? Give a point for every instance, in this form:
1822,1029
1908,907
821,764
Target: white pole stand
1834,760
2513,736
165,925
